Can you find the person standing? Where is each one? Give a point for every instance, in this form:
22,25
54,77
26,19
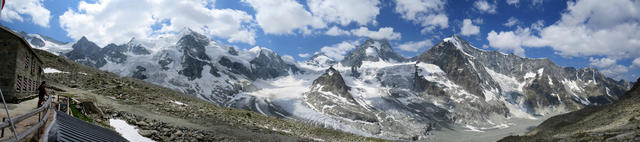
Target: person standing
42,91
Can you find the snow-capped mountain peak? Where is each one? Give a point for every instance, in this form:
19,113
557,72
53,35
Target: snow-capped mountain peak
320,60
372,50
46,43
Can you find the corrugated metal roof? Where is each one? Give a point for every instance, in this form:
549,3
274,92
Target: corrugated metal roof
71,129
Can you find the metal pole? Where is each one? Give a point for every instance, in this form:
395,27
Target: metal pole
9,116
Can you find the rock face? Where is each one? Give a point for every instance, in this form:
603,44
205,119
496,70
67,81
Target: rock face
194,58
268,64
371,50
87,52
618,121
461,68
189,62
90,54
329,94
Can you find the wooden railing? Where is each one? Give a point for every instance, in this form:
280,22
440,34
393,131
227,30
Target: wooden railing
12,122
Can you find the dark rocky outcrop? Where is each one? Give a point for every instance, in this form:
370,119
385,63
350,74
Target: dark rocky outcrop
87,53
268,64
461,67
329,94
194,57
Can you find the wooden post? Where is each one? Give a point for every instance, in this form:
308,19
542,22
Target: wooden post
9,116
69,106
2,133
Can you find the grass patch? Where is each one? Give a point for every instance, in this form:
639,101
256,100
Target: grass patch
76,113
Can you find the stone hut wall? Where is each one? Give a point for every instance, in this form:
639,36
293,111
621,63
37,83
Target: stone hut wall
20,68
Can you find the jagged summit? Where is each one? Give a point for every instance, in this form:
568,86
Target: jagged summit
372,50
83,39
186,31
321,60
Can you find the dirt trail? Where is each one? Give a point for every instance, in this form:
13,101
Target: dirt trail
138,109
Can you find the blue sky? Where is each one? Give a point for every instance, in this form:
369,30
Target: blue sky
571,33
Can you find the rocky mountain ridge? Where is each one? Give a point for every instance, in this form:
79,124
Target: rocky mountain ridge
618,121
450,86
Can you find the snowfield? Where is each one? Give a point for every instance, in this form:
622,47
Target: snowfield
127,131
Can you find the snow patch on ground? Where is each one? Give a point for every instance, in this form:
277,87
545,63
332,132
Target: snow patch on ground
571,84
491,94
472,128
540,71
179,103
507,83
127,131
52,70
511,85
429,68
558,96
607,91
529,75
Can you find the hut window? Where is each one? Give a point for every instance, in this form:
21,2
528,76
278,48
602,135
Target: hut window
18,83
28,82
26,62
24,84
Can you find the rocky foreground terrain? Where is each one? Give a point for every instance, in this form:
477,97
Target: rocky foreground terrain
166,115
618,121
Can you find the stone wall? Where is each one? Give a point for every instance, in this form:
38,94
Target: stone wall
20,69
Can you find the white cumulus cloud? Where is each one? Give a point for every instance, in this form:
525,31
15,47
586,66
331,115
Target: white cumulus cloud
635,63
304,55
484,6
429,14
283,16
117,21
337,51
415,46
602,62
345,12
513,40
511,21
468,28
616,71
18,9
382,33
335,31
